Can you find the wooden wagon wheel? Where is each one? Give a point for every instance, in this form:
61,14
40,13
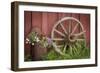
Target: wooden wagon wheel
69,36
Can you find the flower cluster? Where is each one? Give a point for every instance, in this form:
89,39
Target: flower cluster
34,37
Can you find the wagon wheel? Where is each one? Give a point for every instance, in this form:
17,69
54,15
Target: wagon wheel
69,36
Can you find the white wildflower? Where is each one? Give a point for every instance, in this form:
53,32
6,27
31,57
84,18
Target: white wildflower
37,39
27,39
32,43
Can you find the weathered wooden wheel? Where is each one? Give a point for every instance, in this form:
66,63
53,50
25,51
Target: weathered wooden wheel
69,35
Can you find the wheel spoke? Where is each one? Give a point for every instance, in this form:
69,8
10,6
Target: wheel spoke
57,49
69,27
75,50
74,28
80,39
71,50
81,33
63,28
64,50
59,33
58,39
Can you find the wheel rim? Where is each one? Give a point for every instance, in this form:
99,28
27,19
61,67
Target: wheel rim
69,36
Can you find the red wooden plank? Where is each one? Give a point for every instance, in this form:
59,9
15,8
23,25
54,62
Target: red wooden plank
27,29
52,19
45,23
37,20
85,20
27,21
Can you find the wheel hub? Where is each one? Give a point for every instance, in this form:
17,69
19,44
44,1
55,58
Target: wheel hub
72,38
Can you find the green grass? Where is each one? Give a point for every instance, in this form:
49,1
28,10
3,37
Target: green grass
75,51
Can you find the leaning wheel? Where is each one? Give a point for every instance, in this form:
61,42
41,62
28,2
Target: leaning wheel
65,32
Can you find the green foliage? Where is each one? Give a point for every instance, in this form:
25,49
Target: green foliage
43,42
27,58
32,36
75,51
50,56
